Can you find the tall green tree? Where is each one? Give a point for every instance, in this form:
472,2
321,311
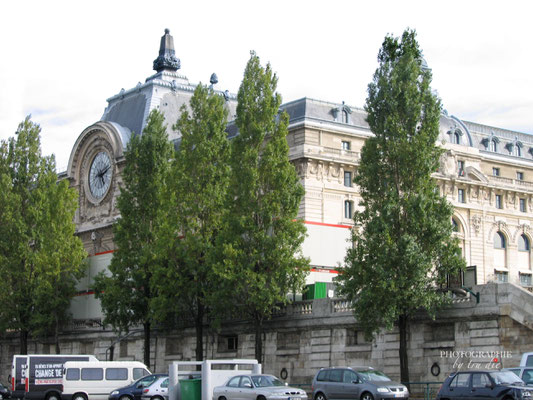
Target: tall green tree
403,246
40,257
125,291
197,190
261,251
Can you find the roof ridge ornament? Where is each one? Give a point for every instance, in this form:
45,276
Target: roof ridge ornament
167,59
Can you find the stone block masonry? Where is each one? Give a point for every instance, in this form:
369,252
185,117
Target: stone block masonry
464,335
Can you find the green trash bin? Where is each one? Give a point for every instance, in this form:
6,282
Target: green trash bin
191,389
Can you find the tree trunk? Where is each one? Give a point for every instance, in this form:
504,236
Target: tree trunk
56,335
23,342
146,326
404,362
199,332
259,340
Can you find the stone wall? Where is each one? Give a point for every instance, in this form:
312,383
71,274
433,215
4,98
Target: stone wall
308,335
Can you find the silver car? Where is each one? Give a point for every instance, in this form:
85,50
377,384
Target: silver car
157,390
257,387
364,383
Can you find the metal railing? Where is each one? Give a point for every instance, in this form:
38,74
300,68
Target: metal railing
423,390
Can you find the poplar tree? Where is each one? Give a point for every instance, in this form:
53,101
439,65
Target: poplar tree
261,250
124,291
403,247
40,256
185,281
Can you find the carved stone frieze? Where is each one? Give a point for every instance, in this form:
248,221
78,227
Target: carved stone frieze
476,223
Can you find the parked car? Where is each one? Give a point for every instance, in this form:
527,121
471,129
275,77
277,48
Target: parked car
524,373
365,383
252,387
135,390
482,385
157,390
5,393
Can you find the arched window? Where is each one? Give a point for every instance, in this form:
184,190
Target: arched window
348,209
345,116
455,225
500,251
524,252
456,138
493,146
499,241
519,151
523,243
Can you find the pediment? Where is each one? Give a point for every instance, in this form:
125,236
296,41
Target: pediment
475,175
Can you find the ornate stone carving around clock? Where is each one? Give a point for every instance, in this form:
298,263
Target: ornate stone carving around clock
97,171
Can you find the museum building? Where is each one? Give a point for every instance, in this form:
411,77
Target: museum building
486,173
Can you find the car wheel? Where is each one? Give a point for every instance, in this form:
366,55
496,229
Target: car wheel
261,398
124,397
221,398
79,396
53,396
320,396
367,396
156,398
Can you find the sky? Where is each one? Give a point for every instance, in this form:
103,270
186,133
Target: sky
60,60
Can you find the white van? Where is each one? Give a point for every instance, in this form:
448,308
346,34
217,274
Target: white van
94,380
527,360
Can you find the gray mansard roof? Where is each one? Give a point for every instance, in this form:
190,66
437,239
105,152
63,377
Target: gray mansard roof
167,91
451,128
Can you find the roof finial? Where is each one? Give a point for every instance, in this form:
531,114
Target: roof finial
167,59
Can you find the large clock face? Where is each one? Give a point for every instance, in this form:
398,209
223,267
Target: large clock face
100,175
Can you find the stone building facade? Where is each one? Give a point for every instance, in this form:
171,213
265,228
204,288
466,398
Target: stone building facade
486,172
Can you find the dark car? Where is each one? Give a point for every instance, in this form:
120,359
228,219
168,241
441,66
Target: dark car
135,390
480,385
5,393
365,383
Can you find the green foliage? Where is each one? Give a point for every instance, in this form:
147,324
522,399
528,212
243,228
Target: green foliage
403,246
261,247
125,291
192,221
40,257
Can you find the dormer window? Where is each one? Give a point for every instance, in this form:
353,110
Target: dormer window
493,146
455,135
518,148
342,113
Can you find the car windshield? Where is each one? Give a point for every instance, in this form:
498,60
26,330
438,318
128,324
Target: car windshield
265,381
505,378
373,375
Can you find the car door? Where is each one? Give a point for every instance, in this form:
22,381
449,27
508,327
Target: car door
163,389
336,384
527,376
480,386
350,389
232,389
246,388
137,391
459,388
